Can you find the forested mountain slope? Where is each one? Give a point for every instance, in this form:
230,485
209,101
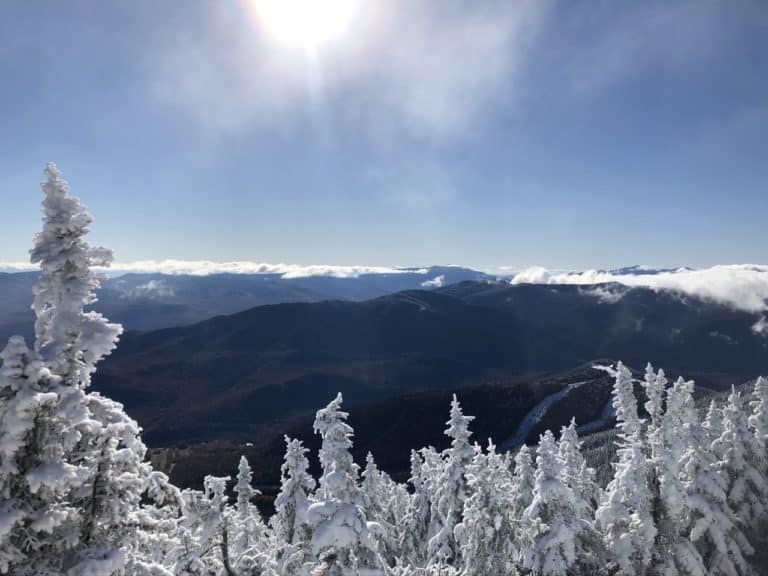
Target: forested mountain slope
229,376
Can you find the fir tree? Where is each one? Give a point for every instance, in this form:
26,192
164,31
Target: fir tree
343,540
554,533
758,421
487,529
711,525
451,489
739,453
82,473
624,515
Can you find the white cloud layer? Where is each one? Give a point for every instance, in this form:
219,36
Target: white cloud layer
742,286
206,267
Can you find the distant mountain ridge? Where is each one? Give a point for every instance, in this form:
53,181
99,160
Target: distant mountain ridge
150,301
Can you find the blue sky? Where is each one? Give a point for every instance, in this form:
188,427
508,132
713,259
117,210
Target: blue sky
485,134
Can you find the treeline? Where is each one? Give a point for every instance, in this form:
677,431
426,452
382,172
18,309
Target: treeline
687,495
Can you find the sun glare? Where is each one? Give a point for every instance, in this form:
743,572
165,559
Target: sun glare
307,23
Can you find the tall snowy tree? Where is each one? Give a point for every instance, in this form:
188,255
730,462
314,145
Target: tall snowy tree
487,532
343,540
521,492
522,481
289,523
555,536
713,424
386,503
451,489
624,515
576,474
713,542
739,452
758,420
669,437
250,542
82,457
415,533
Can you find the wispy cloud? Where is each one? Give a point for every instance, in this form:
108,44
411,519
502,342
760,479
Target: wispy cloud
431,67
742,286
627,38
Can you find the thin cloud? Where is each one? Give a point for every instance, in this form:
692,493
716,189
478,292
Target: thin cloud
431,67
630,38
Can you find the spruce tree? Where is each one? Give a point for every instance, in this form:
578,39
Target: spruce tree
343,541
451,489
740,455
554,534
79,466
487,529
624,515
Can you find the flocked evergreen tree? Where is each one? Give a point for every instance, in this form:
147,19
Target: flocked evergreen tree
79,467
740,453
343,541
758,421
416,524
289,524
624,515
555,536
713,542
487,532
451,489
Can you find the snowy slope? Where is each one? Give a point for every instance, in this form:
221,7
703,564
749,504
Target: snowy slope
535,415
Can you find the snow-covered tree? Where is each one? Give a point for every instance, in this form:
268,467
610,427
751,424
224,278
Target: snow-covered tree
576,474
451,489
386,503
487,532
713,424
79,466
523,478
415,533
624,515
555,536
289,523
739,453
758,420
343,540
250,543
69,340
713,542
27,516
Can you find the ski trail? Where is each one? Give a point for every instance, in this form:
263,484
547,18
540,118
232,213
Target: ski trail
608,414
535,415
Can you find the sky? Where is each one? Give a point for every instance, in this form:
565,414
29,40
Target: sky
488,134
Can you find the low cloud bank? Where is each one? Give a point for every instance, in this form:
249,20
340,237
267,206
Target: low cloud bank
742,286
287,271
206,267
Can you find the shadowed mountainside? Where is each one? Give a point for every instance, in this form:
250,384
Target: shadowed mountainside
242,375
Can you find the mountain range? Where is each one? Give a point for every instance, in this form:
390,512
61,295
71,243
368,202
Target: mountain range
240,375
141,301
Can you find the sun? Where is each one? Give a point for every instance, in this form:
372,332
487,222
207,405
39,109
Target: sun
306,23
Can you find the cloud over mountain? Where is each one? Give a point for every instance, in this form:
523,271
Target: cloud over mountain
743,286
